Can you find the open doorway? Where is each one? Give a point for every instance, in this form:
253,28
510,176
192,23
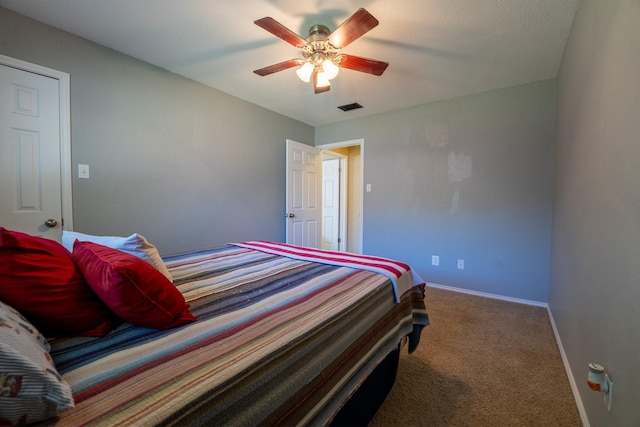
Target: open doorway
352,153
334,201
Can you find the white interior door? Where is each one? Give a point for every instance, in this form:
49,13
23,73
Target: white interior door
30,157
303,207
331,197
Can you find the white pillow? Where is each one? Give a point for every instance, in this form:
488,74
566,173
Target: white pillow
135,244
31,388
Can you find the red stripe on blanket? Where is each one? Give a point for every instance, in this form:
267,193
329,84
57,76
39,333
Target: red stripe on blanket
401,275
394,267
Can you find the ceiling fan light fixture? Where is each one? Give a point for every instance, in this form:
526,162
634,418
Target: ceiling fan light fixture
322,80
304,72
330,69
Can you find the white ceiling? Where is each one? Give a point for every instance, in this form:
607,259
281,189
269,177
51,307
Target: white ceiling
437,49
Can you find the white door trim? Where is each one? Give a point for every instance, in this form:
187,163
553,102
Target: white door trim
341,144
65,129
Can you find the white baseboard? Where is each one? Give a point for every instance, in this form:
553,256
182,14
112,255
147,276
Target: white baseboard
567,368
488,295
565,361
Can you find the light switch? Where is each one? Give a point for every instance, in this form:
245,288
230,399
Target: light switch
83,171
368,188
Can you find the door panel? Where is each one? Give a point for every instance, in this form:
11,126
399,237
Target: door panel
30,186
302,193
27,167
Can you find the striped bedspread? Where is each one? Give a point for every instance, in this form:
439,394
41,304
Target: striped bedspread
401,275
278,341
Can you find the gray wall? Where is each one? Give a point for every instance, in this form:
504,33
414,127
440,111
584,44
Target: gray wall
595,274
470,178
183,164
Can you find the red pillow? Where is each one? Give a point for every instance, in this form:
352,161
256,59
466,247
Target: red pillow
131,287
39,279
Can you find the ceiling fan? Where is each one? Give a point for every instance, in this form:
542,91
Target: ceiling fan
321,58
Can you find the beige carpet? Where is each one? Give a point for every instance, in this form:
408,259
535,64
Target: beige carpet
481,362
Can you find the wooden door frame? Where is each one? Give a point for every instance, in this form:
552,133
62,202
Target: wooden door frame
65,130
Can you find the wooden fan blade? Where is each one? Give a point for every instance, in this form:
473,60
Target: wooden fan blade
277,67
355,26
364,65
279,30
319,89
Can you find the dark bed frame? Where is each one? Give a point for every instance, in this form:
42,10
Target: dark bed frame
366,401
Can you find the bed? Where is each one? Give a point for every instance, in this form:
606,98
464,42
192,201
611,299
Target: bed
280,335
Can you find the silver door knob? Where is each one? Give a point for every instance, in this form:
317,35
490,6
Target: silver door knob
289,215
51,223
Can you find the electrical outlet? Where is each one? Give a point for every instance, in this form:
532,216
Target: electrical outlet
435,260
460,264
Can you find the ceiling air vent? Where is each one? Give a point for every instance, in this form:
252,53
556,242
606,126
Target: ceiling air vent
349,107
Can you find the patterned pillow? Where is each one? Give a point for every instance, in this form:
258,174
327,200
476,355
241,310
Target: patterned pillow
31,389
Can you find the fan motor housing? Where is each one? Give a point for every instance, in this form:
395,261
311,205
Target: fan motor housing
319,32
318,45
